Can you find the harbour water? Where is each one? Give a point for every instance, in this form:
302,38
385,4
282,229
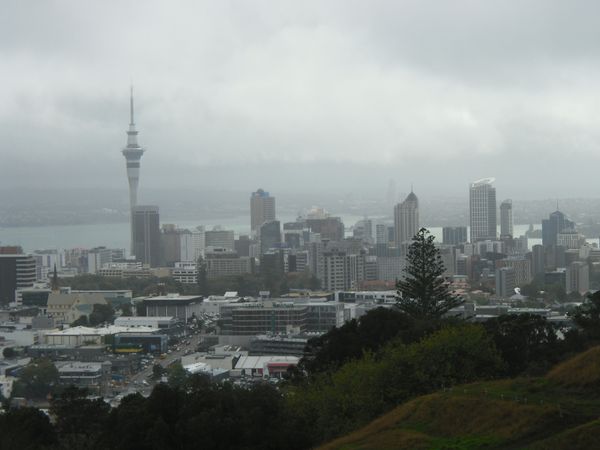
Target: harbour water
116,235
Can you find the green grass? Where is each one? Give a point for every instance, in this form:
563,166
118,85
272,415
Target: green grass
558,411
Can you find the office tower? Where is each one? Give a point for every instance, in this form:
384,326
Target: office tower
218,238
17,271
329,228
506,219
198,242
146,235
242,245
177,245
269,235
538,260
226,263
133,153
97,257
482,210
363,230
381,234
454,235
521,266
555,224
570,239
262,209
505,282
406,219
342,270
578,277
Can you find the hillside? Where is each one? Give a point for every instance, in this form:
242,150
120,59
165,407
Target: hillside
559,411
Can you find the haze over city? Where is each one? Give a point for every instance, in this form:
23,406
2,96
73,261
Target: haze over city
298,225
229,93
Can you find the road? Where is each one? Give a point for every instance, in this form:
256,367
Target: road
136,382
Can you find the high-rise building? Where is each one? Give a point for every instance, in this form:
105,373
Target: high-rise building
381,234
218,238
505,282
538,260
363,230
177,245
133,154
454,235
506,219
146,235
578,277
342,271
17,271
406,219
97,257
329,228
482,210
262,209
551,227
269,235
521,267
198,242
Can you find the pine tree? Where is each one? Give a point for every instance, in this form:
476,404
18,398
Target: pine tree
423,292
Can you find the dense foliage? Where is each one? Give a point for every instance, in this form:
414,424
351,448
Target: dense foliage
587,316
352,375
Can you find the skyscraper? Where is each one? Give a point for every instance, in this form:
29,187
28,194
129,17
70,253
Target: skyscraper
16,271
262,209
269,235
506,219
146,235
555,224
454,235
406,219
482,210
133,153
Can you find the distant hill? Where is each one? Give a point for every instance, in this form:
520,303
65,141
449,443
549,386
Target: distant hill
559,411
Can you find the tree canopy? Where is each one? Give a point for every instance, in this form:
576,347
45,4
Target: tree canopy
423,292
587,316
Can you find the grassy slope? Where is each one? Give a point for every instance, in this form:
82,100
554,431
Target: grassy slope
559,411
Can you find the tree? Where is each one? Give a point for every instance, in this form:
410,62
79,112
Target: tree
157,371
9,353
37,380
126,310
587,316
177,375
101,314
26,429
81,321
525,342
72,411
423,293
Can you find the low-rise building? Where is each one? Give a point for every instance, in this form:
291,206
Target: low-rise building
77,336
68,307
182,307
95,377
264,366
156,322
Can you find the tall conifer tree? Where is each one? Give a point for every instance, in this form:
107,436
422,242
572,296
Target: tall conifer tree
423,292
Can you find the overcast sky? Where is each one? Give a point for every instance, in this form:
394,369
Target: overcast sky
292,95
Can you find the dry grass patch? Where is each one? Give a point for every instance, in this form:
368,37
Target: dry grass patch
581,370
583,437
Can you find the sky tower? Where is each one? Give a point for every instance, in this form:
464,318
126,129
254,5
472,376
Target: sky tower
133,153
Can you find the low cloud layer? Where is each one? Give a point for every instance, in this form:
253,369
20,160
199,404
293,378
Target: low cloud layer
266,93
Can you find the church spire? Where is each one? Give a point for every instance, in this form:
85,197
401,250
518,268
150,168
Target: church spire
54,285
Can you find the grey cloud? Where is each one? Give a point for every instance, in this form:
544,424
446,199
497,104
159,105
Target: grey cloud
264,92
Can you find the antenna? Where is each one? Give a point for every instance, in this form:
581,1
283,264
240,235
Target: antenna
131,106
